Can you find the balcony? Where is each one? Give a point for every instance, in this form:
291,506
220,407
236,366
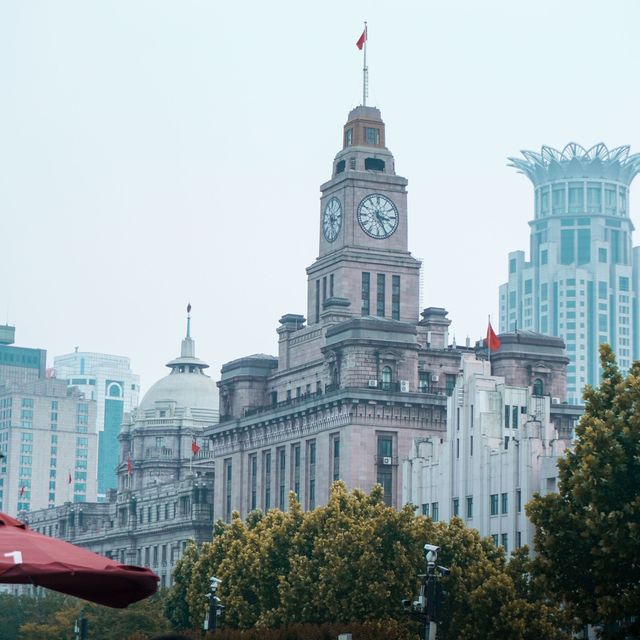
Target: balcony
158,453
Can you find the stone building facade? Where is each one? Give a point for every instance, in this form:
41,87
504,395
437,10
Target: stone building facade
361,375
165,477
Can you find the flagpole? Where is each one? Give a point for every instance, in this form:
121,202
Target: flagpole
488,345
365,71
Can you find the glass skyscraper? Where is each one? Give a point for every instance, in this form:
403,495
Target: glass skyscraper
109,381
581,282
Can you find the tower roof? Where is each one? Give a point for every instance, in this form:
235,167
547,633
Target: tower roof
574,161
187,385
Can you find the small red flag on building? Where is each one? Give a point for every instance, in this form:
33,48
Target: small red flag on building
194,447
362,39
492,341
129,466
21,491
70,479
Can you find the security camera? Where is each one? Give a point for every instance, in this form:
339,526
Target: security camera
431,553
445,571
215,582
406,604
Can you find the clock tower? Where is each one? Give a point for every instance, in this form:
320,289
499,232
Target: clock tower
363,230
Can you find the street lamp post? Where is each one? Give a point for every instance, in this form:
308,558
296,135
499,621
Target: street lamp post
427,607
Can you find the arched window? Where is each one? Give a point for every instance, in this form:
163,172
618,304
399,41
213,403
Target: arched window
114,390
538,387
386,378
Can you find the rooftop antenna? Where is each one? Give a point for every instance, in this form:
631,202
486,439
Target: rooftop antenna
362,45
188,320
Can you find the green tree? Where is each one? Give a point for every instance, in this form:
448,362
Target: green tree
588,534
176,605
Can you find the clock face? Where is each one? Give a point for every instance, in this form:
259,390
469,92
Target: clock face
332,219
377,216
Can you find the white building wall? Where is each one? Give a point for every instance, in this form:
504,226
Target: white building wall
483,455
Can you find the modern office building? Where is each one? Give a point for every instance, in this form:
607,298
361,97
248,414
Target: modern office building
109,381
19,364
582,278
507,426
49,442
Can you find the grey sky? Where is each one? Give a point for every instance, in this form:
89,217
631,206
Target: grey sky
154,153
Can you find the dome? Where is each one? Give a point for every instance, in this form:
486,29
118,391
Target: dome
192,390
187,386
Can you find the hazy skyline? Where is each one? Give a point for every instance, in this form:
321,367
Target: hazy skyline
155,153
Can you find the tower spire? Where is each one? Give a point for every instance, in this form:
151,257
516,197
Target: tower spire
188,320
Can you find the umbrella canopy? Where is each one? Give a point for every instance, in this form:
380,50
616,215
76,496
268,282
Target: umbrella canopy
28,557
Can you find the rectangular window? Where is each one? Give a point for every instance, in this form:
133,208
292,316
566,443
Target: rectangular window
434,511
450,383
336,458
471,446
576,197
331,286
372,135
456,506
311,474
324,288
493,503
317,301
559,205
528,288
544,291
518,539
567,248
505,542
518,500
512,265
266,461
366,293
295,454
425,509
253,481
544,256
624,284
384,474
395,298
603,289
602,255
380,295
282,467
228,477
514,417
505,502
469,506
457,447
584,246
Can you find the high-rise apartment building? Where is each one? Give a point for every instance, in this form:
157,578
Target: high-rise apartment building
581,281
48,443
109,381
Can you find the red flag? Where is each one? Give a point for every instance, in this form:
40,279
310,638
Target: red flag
362,39
194,447
492,341
70,479
129,466
21,491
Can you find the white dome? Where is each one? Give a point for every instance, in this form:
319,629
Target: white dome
187,390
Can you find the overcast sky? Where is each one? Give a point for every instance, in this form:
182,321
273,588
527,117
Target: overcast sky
154,153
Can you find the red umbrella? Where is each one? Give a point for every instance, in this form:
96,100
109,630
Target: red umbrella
27,557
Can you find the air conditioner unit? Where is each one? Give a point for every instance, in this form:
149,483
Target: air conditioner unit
435,377
555,400
373,383
386,460
404,386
